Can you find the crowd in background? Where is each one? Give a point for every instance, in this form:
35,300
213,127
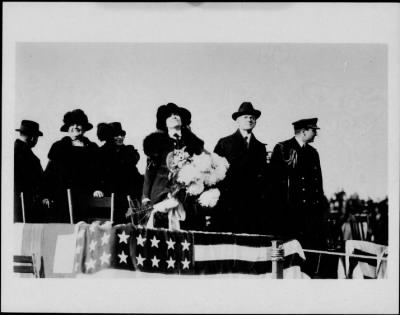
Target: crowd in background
349,209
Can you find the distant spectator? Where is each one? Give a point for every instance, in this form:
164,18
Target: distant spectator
379,223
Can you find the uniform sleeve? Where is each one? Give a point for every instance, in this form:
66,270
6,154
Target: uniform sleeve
320,173
277,164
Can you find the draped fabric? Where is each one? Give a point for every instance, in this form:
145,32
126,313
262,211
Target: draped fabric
160,251
53,246
366,268
94,250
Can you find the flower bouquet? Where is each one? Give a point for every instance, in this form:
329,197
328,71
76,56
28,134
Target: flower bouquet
191,176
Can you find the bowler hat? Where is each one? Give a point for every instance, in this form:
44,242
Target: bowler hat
77,116
306,123
246,108
116,128
30,127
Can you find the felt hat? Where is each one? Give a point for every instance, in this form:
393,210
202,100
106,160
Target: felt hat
78,117
29,127
246,108
116,128
165,111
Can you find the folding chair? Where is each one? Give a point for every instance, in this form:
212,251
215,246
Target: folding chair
23,206
26,264
101,204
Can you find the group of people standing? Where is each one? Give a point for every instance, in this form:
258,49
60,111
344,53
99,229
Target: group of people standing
77,164
283,197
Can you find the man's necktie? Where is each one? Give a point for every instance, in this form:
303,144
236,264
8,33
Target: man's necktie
247,139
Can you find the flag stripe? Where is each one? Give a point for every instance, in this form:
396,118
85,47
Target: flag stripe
248,240
231,252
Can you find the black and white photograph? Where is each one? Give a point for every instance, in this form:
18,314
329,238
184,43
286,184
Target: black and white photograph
200,157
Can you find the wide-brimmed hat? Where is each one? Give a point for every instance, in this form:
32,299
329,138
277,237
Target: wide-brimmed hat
186,116
116,128
306,123
246,108
165,111
78,117
29,127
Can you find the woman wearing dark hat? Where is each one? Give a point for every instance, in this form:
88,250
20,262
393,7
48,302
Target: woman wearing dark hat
71,166
173,133
118,173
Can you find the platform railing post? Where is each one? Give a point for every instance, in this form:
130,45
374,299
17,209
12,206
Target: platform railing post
277,258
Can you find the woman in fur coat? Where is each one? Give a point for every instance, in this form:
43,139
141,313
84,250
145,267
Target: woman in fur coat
173,133
117,172
71,166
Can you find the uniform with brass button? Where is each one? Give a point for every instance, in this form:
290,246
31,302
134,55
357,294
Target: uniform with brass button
297,187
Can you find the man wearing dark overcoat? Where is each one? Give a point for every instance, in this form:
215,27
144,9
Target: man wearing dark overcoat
298,190
241,208
27,174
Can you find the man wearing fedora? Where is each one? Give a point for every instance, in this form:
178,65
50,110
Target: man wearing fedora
27,173
298,190
241,208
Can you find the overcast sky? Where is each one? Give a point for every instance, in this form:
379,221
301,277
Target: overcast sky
344,85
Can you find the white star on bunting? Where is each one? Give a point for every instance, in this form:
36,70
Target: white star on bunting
105,238
122,257
93,227
185,264
92,245
90,264
140,240
154,242
185,245
171,263
154,262
105,258
140,260
170,243
123,238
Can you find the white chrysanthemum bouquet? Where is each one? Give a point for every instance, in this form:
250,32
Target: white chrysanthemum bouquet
198,174
194,176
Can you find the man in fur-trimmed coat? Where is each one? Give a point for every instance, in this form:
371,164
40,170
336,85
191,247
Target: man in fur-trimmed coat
241,208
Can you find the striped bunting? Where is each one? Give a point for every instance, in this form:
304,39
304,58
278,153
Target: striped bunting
161,251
